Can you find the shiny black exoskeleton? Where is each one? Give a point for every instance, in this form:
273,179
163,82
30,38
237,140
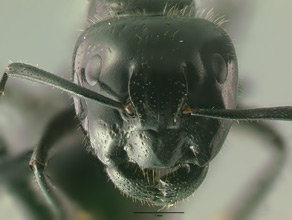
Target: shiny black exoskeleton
158,58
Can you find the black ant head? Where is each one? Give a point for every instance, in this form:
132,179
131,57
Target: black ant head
157,67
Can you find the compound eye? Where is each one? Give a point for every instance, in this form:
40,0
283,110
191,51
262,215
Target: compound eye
129,109
219,67
93,69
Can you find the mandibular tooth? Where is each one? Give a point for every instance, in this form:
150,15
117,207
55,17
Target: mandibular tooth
195,152
163,183
187,166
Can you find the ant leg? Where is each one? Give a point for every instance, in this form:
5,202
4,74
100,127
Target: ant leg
247,202
3,149
17,178
57,128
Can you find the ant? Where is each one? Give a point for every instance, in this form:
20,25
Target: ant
155,91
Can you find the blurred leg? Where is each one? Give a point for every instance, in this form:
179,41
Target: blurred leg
248,200
17,178
59,126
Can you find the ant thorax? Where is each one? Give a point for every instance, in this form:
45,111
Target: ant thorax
100,10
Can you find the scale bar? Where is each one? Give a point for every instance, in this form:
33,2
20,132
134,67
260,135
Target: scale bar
158,212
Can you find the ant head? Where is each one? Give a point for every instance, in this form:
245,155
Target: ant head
152,151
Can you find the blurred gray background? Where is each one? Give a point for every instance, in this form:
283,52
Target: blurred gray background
44,33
